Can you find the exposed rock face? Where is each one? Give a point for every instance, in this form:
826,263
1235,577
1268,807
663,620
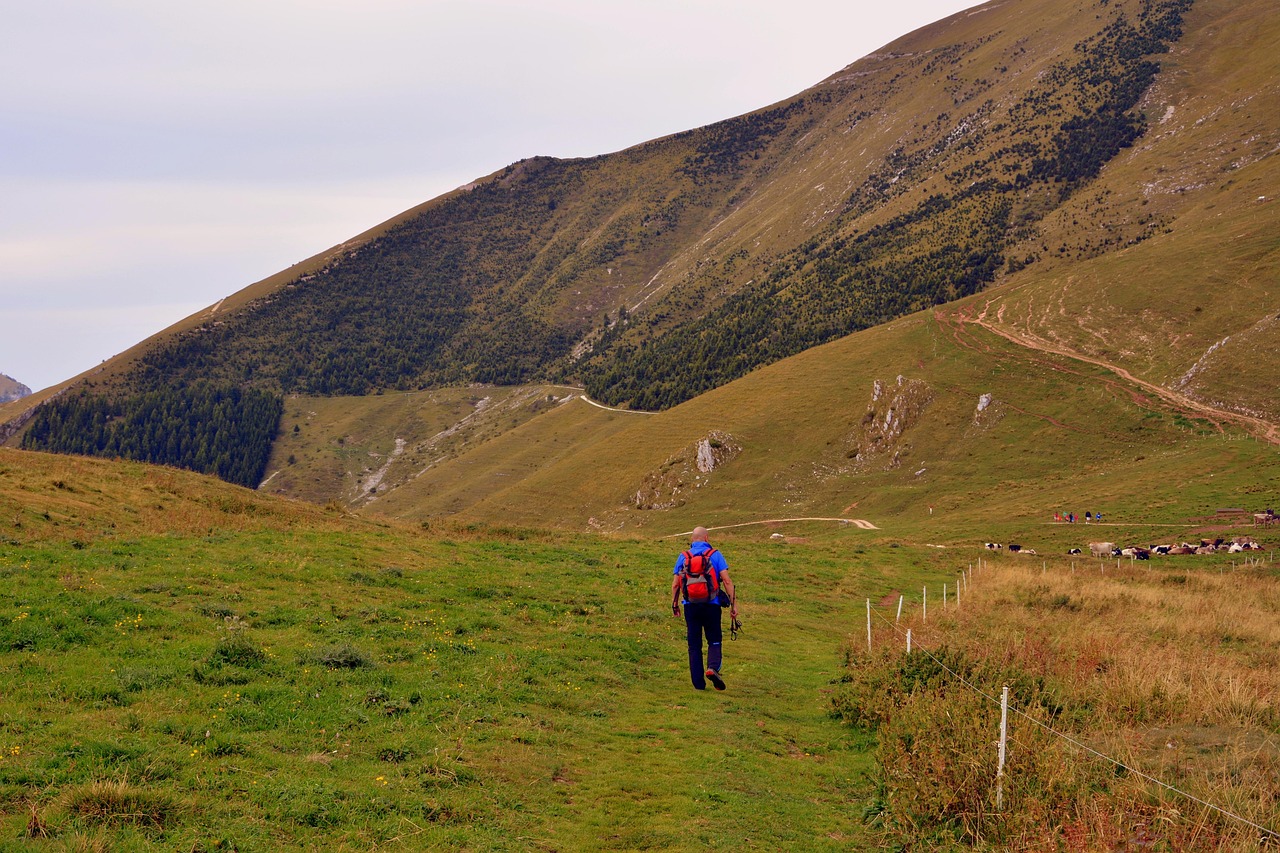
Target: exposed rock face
895,407
987,412
11,389
686,471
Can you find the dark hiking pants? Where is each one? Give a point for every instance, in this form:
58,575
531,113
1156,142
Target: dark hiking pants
702,619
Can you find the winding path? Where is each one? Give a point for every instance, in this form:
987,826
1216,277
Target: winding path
1263,429
856,522
584,398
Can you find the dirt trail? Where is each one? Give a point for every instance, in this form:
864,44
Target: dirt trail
591,402
1263,429
856,522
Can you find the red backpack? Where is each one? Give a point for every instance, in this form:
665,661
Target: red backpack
698,578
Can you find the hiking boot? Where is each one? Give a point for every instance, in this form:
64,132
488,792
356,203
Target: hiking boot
714,678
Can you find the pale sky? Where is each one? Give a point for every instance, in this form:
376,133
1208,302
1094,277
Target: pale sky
156,156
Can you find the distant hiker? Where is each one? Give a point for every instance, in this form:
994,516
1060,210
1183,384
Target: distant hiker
1088,516
701,582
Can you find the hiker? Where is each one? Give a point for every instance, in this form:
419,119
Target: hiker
701,582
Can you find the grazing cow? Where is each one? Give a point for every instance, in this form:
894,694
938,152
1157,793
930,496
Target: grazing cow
1015,548
1181,550
1160,549
1074,551
1101,549
993,546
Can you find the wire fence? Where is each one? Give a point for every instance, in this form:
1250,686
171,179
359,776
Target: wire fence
913,646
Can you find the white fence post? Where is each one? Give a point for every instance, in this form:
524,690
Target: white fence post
1004,736
908,641
899,616
868,625
957,593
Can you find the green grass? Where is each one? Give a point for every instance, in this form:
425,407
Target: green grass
498,690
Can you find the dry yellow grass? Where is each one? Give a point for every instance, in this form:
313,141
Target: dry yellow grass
1170,669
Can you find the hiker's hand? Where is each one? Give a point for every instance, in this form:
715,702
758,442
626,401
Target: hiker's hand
675,609
733,613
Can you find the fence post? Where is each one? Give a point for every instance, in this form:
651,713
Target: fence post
957,593
899,616
868,625
908,641
1004,736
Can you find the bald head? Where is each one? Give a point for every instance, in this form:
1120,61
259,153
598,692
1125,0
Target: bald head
699,534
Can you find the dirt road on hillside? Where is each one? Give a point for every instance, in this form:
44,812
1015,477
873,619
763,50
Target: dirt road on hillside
1263,429
861,523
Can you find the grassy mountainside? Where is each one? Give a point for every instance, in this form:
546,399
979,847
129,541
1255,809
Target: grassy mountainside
1125,366
880,425
1005,146
505,282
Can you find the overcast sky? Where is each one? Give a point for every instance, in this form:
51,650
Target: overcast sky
156,156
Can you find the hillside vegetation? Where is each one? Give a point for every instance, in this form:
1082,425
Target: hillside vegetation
1016,148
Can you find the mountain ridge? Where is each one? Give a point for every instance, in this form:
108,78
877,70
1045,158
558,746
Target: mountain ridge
945,200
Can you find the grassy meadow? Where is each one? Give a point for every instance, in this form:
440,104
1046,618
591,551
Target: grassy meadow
262,674
189,665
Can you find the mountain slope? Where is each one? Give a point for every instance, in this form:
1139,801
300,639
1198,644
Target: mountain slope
976,154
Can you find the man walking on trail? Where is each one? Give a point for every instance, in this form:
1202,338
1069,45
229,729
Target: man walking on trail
702,582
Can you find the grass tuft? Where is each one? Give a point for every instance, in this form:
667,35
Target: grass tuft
343,656
118,802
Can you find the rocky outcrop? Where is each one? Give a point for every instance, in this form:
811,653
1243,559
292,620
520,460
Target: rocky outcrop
879,440
687,470
11,389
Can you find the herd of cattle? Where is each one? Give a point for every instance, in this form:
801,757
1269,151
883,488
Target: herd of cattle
1109,549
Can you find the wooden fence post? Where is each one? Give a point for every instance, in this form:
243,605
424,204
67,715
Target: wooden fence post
1004,736
868,625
